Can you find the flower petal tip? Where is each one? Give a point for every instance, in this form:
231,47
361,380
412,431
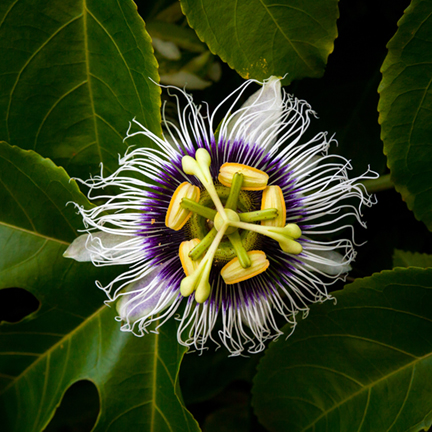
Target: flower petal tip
77,250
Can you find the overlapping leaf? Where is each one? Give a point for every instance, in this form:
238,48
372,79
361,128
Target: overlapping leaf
406,109
362,364
73,74
260,38
72,336
411,259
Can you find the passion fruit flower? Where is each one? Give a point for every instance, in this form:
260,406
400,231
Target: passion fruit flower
234,225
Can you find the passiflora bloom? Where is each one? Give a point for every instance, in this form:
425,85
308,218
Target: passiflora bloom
229,224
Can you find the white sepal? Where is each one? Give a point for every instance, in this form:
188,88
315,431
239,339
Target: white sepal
258,120
328,261
89,247
145,297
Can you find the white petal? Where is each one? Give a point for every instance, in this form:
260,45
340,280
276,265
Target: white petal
260,115
87,247
166,49
183,78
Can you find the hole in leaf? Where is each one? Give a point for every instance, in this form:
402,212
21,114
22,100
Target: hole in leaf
16,304
78,410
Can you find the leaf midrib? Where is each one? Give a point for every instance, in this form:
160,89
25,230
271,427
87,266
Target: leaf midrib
35,233
48,352
87,68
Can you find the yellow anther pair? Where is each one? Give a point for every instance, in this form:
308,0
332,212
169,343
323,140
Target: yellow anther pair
253,179
177,216
232,272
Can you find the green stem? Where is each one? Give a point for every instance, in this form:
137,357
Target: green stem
203,245
380,184
237,244
193,206
259,215
236,185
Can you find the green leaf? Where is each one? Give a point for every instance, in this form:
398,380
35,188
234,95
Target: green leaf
411,259
72,336
217,370
260,38
34,193
406,109
361,364
73,74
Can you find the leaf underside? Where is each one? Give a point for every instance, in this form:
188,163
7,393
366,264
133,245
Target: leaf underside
405,108
260,38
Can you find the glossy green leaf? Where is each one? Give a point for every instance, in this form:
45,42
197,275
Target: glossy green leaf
411,259
73,74
260,38
72,336
362,364
406,109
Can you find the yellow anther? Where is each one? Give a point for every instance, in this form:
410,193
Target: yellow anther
188,264
177,216
272,197
253,179
233,272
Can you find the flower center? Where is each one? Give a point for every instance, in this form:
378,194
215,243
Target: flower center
231,216
220,221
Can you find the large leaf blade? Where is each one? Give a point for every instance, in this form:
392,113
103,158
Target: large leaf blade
261,38
406,109
71,337
74,73
136,378
361,364
31,199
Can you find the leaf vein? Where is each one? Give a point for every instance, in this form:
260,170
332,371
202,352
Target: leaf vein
405,399
51,110
122,57
285,36
39,49
365,411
